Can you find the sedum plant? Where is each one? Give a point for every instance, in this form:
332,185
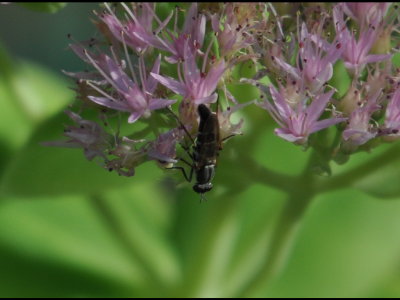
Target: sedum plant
326,75
156,67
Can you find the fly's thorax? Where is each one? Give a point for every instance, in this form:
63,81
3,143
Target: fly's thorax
206,137
202,163
207,141
206,153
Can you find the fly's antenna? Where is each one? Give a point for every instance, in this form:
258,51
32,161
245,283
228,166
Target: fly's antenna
203,198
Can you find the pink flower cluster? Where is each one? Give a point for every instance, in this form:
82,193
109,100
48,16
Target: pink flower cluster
143,67
301,99
149,74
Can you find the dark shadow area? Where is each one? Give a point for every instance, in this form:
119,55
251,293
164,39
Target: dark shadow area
27,34
24,276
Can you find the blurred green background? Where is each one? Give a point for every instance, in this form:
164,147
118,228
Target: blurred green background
70,229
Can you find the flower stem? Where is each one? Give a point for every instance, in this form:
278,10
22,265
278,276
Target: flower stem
199,269
261,174
300,193
280,243
151,277
357,173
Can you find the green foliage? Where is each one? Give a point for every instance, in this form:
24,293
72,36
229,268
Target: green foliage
37,170
396,59
270,227
347,245
341,79
47,7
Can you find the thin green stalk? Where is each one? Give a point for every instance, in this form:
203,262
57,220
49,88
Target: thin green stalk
196,274
279,244
352,176
114,225
300,192
260,174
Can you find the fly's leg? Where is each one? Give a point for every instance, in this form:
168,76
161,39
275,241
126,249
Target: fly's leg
228,137
186,148
181,124
188,178
225,139
186,162
183,172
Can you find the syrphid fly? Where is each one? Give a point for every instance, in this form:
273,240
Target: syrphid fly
204,151
207,146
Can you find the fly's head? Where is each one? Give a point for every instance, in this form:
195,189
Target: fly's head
203,188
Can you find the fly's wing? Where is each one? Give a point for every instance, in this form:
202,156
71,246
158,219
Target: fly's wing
207,143
208,127
204,114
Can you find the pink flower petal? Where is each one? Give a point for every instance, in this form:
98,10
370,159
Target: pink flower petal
134,117
214,75
190,69
109,103
358,137
283,109
192,13
151,82
325,124
160,103
209,99
288,68
171,83
318,105
92,76
171,59
136,99
376,57
121,80
80,51
287,135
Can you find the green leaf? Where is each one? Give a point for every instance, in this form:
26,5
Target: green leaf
243,92
384,182
111,244
396,59
32,94
14,126
346,244
142,212
29,94
39,93
222,240
376,173
60,247
277,154
389,288
341,79
48,7
39,170
200,232
256,215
